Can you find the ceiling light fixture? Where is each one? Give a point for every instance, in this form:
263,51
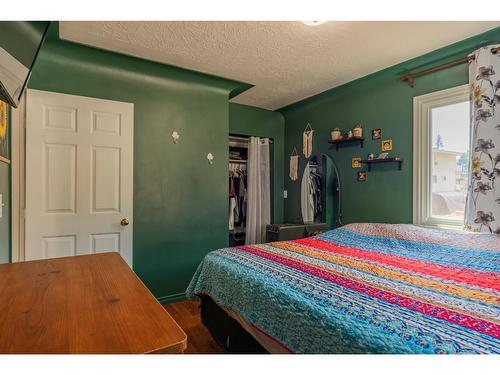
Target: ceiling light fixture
313,23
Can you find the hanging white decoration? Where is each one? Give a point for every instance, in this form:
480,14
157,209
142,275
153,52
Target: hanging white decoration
307,139
210,158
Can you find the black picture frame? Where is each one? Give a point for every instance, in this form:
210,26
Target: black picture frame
377,134
362,176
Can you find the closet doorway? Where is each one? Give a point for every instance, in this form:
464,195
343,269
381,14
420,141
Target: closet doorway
250,185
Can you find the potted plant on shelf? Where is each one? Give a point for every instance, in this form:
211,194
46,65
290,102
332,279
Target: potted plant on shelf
336,134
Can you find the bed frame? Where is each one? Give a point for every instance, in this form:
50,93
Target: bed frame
226,331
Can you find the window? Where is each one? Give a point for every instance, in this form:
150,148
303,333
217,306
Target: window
441,137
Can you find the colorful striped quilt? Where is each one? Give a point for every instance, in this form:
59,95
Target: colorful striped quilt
364,288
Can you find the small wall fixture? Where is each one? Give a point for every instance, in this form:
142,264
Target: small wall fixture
210,158
313,23
175,136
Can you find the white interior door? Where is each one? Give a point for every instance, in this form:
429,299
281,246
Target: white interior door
79,176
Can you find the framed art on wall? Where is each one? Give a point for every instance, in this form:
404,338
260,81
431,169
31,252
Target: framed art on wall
376,134
356,163
4,133
387,145
362,176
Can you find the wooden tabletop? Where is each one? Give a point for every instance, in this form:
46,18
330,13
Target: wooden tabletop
83,304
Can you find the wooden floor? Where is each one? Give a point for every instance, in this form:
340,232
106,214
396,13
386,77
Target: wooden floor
187,315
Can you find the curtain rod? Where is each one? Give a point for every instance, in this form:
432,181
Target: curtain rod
243,138
410,77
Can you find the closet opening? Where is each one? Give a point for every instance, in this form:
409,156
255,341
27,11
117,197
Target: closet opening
250,186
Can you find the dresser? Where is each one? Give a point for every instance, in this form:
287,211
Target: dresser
89,304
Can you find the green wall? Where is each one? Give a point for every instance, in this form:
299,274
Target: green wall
22,38
246,120
379,100
180,200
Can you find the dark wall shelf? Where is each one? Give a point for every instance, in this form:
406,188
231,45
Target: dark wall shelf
379,161
337,142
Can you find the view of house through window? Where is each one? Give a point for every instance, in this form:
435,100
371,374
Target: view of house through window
450,155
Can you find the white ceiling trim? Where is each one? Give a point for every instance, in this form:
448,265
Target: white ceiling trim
285,61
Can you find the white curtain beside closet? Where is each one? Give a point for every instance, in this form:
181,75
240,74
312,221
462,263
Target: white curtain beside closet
258,190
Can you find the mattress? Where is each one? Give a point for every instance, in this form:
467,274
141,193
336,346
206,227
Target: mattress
363,288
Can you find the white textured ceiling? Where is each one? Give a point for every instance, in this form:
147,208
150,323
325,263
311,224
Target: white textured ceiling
286,61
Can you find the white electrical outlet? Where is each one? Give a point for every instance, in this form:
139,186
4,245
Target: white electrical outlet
285,194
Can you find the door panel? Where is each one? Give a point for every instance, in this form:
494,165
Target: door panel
79,175
106,179
63,246
59,176
106,123
104,242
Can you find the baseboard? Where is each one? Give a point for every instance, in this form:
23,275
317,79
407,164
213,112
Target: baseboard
172,298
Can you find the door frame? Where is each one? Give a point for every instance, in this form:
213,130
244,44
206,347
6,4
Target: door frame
18,177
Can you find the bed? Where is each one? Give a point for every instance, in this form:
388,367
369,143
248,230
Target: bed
362,288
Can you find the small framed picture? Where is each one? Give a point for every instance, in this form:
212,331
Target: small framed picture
387,145
376,133
355,163
4,133
362,176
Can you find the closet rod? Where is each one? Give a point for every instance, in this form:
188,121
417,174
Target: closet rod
239,138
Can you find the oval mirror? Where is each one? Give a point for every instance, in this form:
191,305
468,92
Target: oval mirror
320,192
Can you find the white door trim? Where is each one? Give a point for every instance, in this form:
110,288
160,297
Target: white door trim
18,158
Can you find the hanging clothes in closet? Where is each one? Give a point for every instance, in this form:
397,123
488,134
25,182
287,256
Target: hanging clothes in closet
237,196
316,181
311,199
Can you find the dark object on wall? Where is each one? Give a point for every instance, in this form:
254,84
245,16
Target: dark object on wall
362,176
20,42
338,142
386,160
376,134
287,232
226,331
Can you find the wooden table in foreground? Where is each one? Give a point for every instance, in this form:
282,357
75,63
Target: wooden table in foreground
86,304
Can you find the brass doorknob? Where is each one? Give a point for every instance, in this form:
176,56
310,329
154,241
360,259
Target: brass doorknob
124,222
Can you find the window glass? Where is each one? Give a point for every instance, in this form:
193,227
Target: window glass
450,154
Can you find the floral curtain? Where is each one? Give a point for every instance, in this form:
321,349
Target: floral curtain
483,197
